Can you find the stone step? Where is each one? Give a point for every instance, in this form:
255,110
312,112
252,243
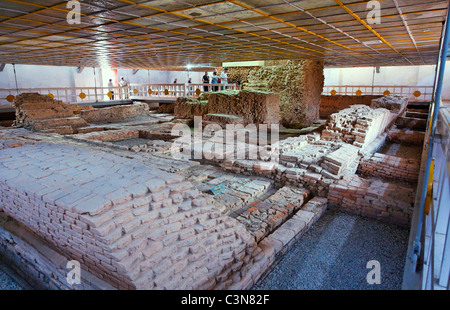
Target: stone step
61,130
338,162
414,114
411,123
223,118
263,216
74,122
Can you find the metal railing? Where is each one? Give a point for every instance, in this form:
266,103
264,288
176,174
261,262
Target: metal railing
132,91
427,265
436,242
414,93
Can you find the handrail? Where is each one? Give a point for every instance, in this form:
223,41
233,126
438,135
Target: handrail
131,91
416,250
434,117
414,93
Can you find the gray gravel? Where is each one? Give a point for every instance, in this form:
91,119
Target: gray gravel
334,253
6,282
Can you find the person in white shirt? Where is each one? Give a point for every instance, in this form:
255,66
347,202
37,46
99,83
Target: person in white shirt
224,77
111,89
124,88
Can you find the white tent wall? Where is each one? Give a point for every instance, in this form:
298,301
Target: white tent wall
386,76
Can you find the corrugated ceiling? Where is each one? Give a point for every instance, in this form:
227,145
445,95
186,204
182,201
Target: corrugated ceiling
164,33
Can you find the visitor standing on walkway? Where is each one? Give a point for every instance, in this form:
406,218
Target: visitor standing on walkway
111,89
124,88
215,80
190,87
205,81
224,77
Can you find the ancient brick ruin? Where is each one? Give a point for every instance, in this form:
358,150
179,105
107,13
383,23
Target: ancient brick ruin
243,107
299,84
101,186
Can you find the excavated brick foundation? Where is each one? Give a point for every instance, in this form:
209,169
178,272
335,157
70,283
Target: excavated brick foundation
113,198
141,228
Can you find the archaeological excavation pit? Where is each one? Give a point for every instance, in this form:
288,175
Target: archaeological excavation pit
223,145
142,219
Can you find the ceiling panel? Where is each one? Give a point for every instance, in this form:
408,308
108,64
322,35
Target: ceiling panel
163,33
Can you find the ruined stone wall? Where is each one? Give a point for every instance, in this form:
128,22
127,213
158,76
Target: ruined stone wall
42,113
237,75
336,103
387,202
390,167
252,107
300,85
133,227
114,113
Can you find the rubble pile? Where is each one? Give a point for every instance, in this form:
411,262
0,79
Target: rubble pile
358,125
395,104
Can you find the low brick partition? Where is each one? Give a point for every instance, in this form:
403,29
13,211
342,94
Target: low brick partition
406,136
333,104
263,217
129,224
102,115
387,202
390,167
411,123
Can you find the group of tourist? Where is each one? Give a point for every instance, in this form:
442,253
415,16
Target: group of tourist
215,79
123,89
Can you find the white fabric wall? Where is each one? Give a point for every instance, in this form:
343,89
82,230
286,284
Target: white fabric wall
389,76
33,76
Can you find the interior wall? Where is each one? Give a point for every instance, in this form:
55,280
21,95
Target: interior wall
389,76
31,76
159,77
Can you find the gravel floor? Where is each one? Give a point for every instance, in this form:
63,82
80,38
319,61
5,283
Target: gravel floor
334,253
7,283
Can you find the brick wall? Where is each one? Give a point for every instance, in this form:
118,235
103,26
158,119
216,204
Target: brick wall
300,85
336,103
37,262
117,112
387,202
406,136
390,167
